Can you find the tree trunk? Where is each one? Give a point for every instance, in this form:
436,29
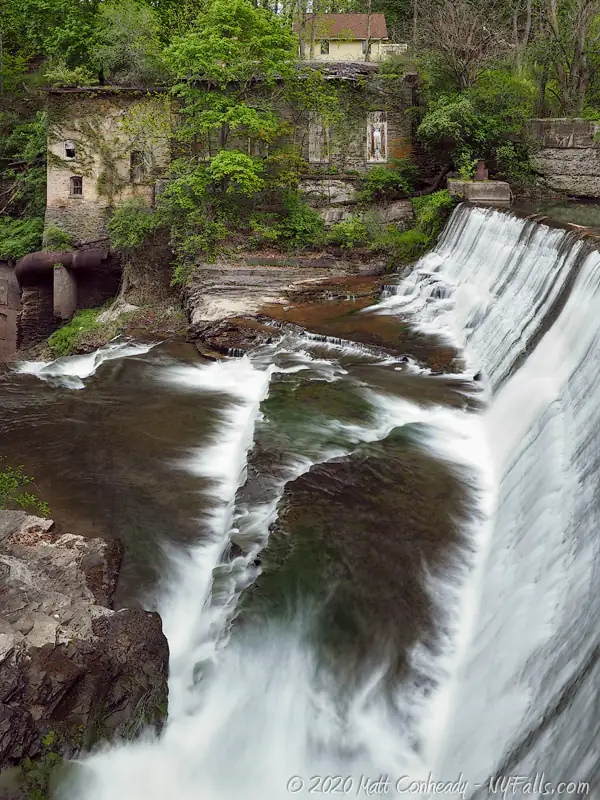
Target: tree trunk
368,42
415,24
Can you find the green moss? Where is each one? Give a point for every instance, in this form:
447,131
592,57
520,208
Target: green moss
63,341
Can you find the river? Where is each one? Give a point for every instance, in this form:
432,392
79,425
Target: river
366,568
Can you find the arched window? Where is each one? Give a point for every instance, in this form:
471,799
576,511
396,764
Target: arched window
76,186
70,151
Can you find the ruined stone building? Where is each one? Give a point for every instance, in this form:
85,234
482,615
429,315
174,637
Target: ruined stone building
107,145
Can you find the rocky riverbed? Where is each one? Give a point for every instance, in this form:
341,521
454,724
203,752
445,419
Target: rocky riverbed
73,671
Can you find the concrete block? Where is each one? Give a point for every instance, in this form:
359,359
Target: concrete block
456,187
492,192
65,292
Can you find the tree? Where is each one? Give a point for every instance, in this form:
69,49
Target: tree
572,38
466,36
127,46
217,68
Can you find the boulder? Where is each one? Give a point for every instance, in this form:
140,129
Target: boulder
73,672
232,337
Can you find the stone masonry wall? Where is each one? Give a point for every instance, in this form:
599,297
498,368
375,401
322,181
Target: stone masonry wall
36,321
103,128
568,157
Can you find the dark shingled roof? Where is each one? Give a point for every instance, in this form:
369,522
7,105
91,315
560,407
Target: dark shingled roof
346,26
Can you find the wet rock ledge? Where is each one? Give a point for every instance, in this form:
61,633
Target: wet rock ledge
73,672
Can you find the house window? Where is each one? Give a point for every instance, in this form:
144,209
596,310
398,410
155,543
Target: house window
137,167
325,48
377,136
318,140
76,186
70,152
364,47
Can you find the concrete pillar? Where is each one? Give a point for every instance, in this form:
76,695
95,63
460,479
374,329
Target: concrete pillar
65,292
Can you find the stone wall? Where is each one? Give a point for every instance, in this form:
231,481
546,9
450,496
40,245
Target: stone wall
10,305
568,158
95,134
92,135
36,321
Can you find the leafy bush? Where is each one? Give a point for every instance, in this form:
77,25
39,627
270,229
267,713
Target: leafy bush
512,163
237,173
56,239
131,225
348,233
301,226
264,229
20,236
385,183
404,247
432,211
64,339
475,123
394,64
189,243
59,74
12,482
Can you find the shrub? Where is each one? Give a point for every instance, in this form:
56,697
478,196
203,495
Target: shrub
513,164
432,211
385,183
264,229
131,225
12,482
20,236
348,233
58,74
237,173
301,226
404,247
394,64
56,239
64,339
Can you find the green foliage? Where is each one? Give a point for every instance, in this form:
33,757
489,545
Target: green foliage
394,64
126,46
65,339
20,236
23,150
301,226
56,239
431,212
217,64
236,173
12,482
131,225
349,233
388,183
404,247
473,124
233,42
513,164
59,74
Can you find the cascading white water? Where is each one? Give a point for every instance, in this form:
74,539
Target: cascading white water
523,299
263,712
524,699
71,371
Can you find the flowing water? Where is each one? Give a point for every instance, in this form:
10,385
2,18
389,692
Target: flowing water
363,571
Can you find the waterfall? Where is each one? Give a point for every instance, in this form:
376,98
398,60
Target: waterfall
509,689
524,300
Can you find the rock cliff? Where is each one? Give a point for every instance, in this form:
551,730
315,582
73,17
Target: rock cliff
72,671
